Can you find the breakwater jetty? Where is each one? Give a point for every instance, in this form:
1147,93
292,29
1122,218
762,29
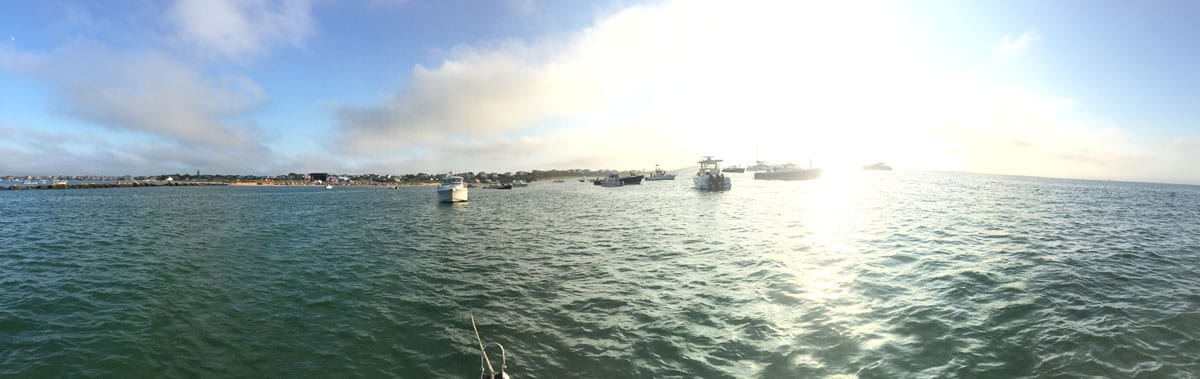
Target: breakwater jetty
17,187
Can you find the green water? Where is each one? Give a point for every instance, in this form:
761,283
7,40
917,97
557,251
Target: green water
872,274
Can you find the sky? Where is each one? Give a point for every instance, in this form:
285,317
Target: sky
1072,89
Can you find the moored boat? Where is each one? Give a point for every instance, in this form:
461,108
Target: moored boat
759,166
878,166
788,171
660,174
625,180
452,190
709,177
612,180
734,169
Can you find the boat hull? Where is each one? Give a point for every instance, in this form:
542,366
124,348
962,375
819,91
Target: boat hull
712,183
661,177
804,174
452,195
628,180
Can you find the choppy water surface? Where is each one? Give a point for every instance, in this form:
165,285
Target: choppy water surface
871,274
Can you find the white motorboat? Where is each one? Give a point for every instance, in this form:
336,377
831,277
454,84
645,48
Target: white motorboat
659,174
710,178
520,183
759,166
452,190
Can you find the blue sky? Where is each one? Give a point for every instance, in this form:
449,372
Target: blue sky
1100,90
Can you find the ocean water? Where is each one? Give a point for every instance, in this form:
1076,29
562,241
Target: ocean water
858,274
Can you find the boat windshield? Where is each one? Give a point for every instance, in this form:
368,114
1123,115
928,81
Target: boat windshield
709,163
452,180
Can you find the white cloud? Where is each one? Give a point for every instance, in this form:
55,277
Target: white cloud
1010,46
153,93
35,151
239,30
663,84
709,76
167,113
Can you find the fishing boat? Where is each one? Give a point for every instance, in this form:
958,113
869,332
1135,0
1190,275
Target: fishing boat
452,190
878,166
759,166
625,180
709,177
789,171
612,180
632,179
734,169
660,174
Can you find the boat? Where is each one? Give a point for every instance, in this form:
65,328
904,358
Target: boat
612,180
625,180
519,183
503,186
660,174
734,169
759,166
452,190
328,186
709,177
789,171
878,166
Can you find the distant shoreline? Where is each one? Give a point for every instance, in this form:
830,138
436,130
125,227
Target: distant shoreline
195,184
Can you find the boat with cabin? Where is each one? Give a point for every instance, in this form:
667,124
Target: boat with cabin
660,174
709,177
625,180
878,166
612,180
759,166
789,171
452,190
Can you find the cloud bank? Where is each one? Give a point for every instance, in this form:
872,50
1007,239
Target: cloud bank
166,108
658,84
239,30
666,83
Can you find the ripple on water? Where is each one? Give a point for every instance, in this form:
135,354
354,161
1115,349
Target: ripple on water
903,274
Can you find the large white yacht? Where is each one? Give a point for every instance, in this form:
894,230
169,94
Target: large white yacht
452,189
710,178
